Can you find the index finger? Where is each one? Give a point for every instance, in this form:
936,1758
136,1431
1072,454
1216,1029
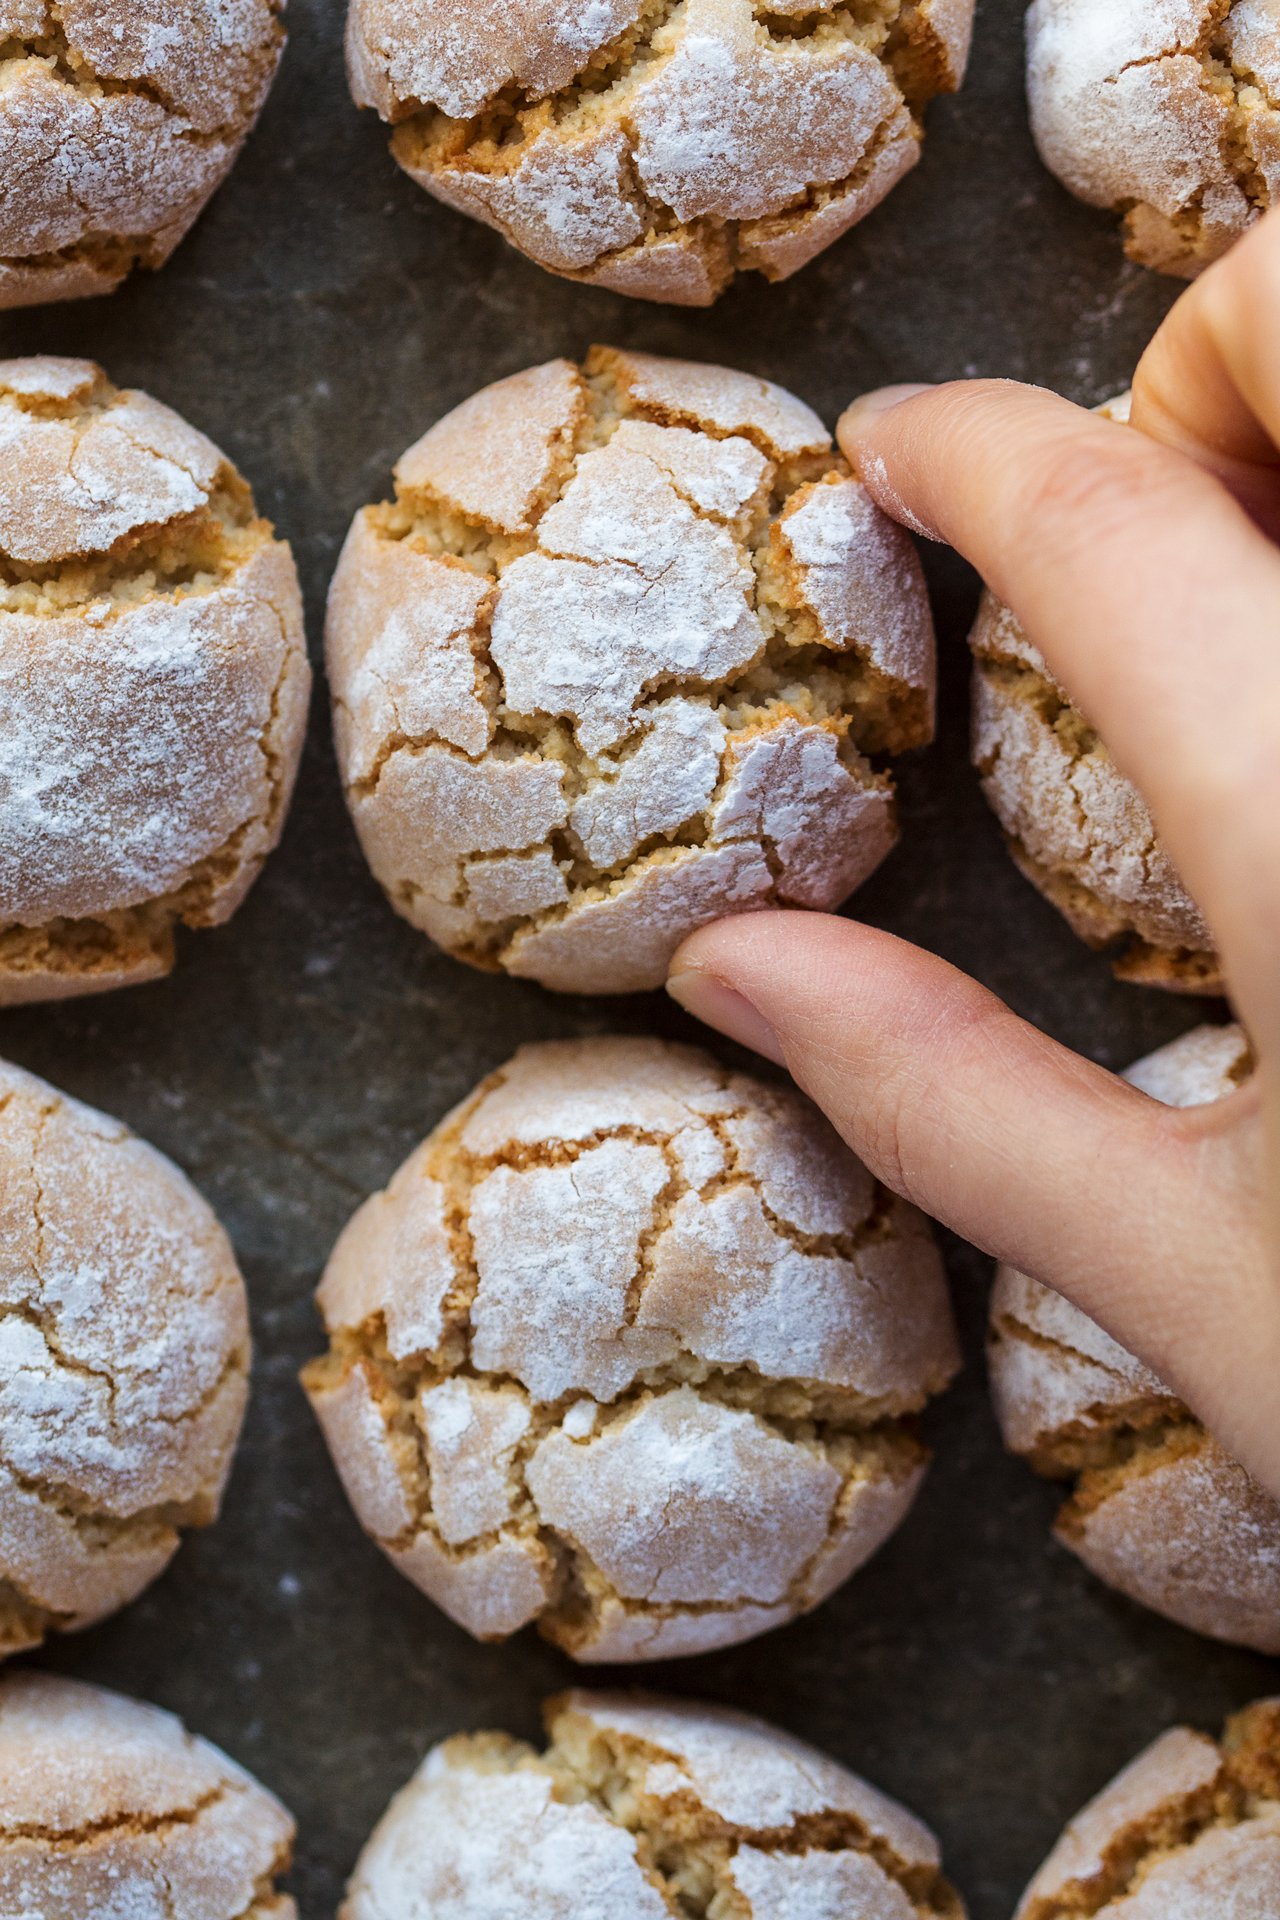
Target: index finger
1154,599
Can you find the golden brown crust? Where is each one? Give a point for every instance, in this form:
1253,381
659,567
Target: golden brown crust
1189,1830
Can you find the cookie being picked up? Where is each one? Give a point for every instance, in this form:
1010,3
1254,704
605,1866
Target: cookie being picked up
627,652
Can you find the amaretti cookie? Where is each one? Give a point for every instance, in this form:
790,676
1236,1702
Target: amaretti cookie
1169,114
110,1808
1190,1830
124,1361
118,118
153,682
1158,1509
645,1807
1077,828
611,664
657,148
628,1347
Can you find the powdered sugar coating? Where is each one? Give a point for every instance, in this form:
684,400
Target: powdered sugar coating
636,1332
116,124
651,149
78,480
136,744
109,1807
856,572
586,635
153,682
1224,1875
1171,111
1197,1540
1181,1528
124,1353
737,125
486,1827
719,1484
461,1845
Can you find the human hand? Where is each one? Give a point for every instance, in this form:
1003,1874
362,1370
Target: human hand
1144,565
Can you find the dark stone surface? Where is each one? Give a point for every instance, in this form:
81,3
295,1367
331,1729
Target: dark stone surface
323,313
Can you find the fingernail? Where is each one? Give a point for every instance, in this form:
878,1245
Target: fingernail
869,406
717,1005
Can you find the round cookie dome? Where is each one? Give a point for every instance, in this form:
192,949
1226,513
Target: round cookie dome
610,665
657,148
1169,114
1158,1509
109,1807
1076,827
645,1807
1190,1830
153,682
118,119
124,1362
626,1347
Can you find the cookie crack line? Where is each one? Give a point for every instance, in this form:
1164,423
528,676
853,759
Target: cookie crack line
92,1832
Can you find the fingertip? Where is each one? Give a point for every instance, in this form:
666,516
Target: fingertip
868,407
710,1000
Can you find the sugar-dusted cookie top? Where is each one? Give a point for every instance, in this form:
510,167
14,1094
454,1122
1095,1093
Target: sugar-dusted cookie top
1077,827
117,122
611,664
628,1346
652,148
124,1361
153,682
109,1807
1167,110
646,1807
1190,1830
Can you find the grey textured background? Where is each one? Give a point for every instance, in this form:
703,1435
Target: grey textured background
322,314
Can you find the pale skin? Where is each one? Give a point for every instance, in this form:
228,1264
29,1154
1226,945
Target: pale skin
1145,566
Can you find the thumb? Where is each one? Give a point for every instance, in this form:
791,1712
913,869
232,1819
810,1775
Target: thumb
1034,1154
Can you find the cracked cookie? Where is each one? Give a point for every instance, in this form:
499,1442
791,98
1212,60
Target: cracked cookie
117,122
645,1807
1076,827
1158,1509
108,1807
153,682
124,1362
611,663
1190,1830
629,1346
1168,113
657,147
